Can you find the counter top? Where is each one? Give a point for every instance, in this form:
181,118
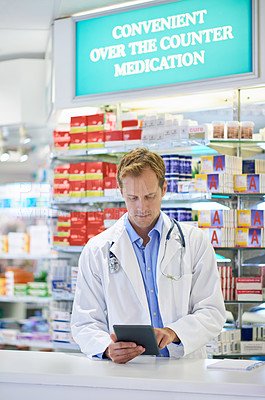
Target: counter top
145,373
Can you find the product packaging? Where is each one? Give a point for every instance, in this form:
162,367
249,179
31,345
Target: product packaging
218,129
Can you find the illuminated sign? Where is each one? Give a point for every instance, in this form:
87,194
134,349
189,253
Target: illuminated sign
166,44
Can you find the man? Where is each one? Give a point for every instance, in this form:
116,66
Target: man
164,275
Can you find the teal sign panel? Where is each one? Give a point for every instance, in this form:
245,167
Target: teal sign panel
176,42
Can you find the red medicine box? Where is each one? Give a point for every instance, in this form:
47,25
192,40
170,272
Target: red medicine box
96,137
110,183
77,188
61,171
132,134
129,123
113,136
78,124
78,219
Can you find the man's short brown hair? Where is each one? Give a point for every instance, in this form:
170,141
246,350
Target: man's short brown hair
134,162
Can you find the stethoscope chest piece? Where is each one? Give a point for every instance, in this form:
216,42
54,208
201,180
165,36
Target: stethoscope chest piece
114,264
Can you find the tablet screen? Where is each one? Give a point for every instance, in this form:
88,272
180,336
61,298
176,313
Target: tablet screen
143,335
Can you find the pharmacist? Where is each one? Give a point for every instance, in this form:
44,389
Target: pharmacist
147,269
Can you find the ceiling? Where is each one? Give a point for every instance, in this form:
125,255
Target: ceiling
24,33
25,24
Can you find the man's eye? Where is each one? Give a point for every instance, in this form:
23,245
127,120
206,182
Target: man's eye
151,197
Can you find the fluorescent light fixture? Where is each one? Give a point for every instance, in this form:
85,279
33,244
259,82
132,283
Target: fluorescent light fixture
24,137
112,7
4,157
24,157
183,103
27,140
208,205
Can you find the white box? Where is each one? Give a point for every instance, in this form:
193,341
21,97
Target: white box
61,337
254,347
61,326
236,347
39,240
18,243
61,316
225,348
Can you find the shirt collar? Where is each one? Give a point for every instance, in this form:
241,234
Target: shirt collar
134,235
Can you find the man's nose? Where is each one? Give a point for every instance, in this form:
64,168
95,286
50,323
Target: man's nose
142,203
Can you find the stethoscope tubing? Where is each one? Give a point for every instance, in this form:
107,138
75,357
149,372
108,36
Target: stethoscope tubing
114,264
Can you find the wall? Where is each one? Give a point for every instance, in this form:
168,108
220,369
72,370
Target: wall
22,92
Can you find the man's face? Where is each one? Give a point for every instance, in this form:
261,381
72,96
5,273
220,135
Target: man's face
143,196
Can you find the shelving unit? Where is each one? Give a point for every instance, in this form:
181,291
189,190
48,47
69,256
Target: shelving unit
235,200
25,299
196,148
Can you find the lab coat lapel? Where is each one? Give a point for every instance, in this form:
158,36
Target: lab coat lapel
172,247
123,250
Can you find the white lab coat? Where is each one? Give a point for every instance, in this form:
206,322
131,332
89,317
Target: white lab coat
192,306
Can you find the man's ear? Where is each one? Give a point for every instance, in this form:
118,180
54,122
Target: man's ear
164,190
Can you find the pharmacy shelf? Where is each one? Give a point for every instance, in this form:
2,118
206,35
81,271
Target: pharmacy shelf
40,344
68,249
199,146
27,257
238,355
238,248
28,212
231,146
243,301
25,299
86,200
187,197
63,296
28,343
65,346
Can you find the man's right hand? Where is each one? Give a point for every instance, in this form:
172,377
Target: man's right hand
122,352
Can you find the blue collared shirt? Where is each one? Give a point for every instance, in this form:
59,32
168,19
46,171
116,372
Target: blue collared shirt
147,260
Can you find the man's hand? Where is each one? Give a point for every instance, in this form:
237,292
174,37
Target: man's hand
122,352
165,336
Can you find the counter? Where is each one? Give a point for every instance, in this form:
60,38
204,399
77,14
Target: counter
41,376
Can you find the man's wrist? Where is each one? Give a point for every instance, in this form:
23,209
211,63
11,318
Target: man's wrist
175,338
106,353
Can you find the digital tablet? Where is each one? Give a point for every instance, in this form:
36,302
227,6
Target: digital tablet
143,335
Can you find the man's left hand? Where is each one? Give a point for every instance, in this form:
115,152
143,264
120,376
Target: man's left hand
165,336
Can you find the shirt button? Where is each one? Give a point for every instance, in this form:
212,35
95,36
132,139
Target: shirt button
162,355
148,269
154,313
151,291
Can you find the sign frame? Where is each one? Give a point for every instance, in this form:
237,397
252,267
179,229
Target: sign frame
158,89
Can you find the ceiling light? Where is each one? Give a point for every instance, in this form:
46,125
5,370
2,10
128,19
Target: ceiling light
24,137
26,140
112,7
4,157
24,157
2,137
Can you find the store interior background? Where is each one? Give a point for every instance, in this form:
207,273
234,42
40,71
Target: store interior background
25,52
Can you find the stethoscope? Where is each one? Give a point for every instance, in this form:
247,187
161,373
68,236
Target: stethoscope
114,264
